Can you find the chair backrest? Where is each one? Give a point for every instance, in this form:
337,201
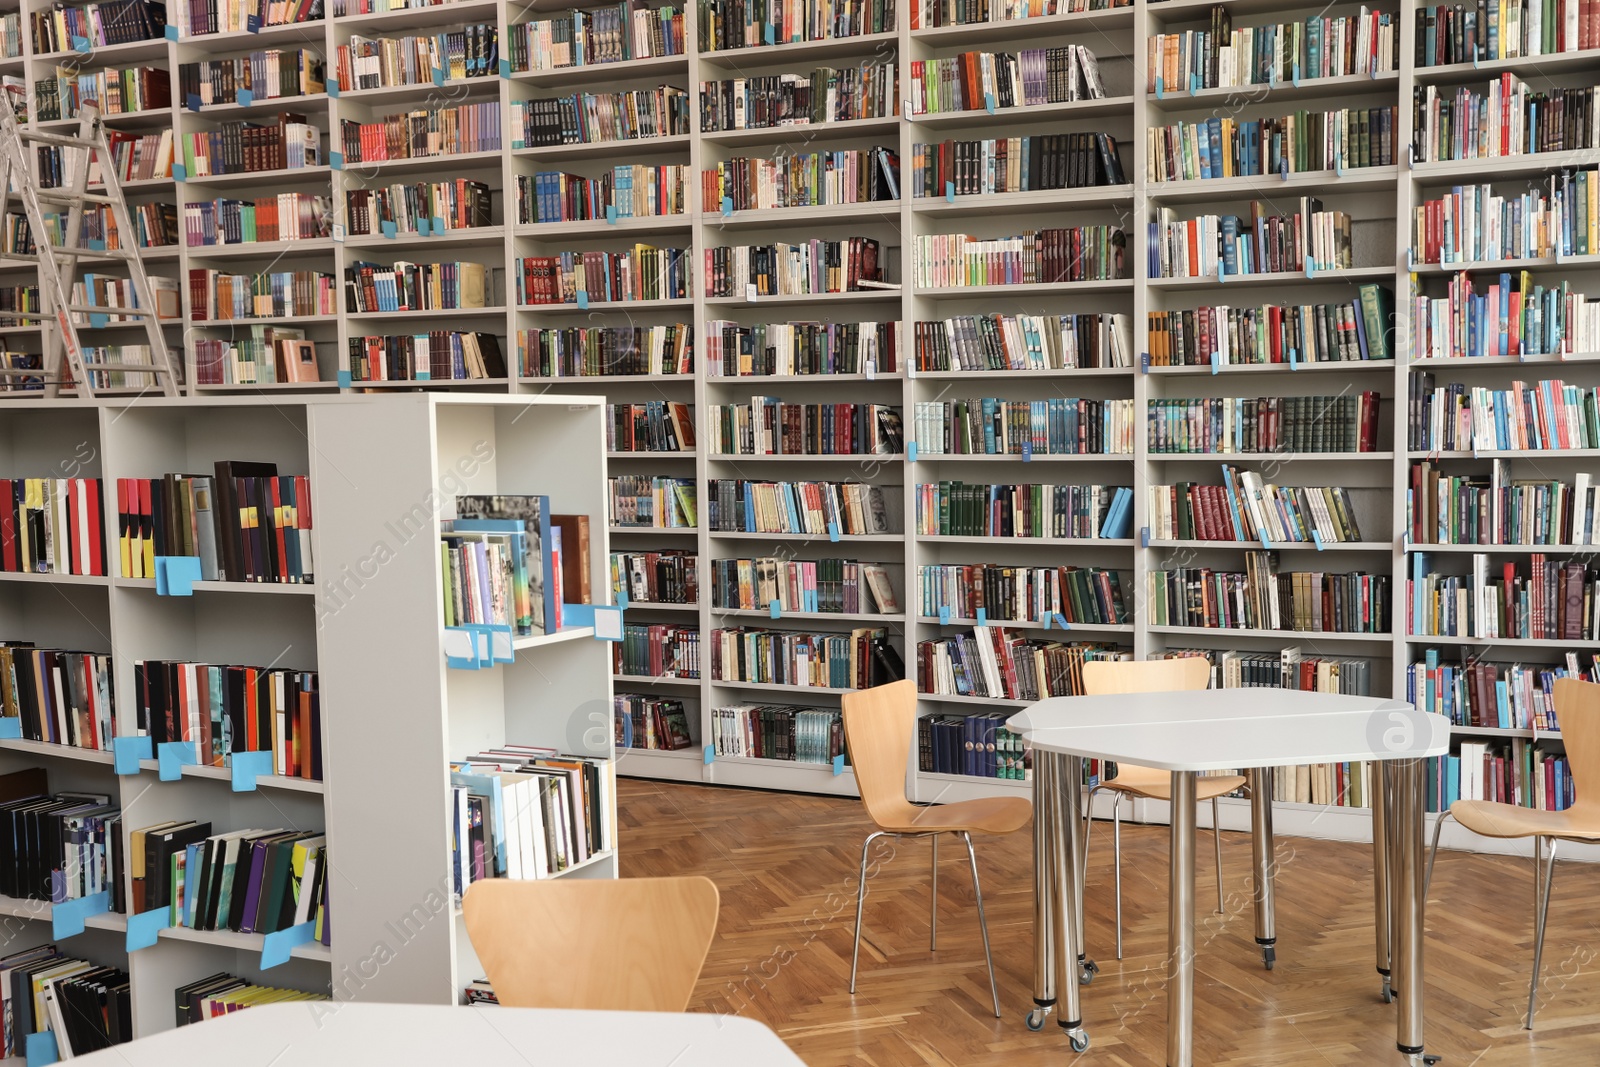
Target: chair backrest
1578,715
879,725
626,944
1145,675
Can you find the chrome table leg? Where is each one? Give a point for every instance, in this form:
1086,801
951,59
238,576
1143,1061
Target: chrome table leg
1263,850
1180,927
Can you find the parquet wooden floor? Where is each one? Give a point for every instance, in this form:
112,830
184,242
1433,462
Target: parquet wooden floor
786,866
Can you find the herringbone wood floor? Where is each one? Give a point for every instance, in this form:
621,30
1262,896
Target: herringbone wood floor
786,866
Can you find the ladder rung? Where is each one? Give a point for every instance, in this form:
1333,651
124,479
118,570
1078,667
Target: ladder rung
58,139
101,309
142,368
75,253
56,197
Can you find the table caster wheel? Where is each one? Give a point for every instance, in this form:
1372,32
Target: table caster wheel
1079,1039
1035,1019
1388,993
1269,955
1086,971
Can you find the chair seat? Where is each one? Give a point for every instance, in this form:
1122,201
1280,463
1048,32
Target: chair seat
1491,819
984,815
1206,786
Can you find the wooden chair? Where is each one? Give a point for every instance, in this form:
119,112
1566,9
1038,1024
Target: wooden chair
1151,676
627,944
1577,706
880,728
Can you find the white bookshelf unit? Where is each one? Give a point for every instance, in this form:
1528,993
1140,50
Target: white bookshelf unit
1381,200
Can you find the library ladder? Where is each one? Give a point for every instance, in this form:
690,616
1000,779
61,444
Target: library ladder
58,264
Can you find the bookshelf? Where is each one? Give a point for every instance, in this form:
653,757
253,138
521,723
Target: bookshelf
1379,200
433,713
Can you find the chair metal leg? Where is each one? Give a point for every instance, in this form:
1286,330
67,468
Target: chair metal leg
1433,854
1541,919
983,924
1116,848
1216,834
861,899
933,909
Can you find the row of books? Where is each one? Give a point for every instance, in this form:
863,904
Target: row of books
84,1006
440,354
519,811
434,207
1225,147
248,881
1500,696
803,179
502,558
291,143
1286,424
769,427
979,746
1319,46
472,51
992,426
925,14
626,191
815,266
1513,316
1080,596
1015,164
606,351
258,355
657,651
118,91
219,994
643,272
226,709
1515,772
729,24
133,354
826,586
266,74
1024,342
1002,664
670,577
989,80
650,722
827,94
1288,668
216,295
1506,118
1079,512
282,217
1540,599
406,286
860,659
1263,598
1244,508
1050,257
1502,29
51,526
1309,240
599,35
58,28
652,502
772,731
1470,509
58,696
245,523
138,157
424,132
814,508
1545,416
649,426
57,848
1473,223
588,118
1283,334
198,18
11,35
801,349
111,293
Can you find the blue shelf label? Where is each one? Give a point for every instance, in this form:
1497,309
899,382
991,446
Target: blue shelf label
988,102
1317,537
1144,363
172,33
1144,537
252,23
176,575
1194,84
770,35
911,451
775,608
245,97
81,44
438,226
1027,451
423,229
42,1049
611,214
145,927
944,614
833,531
11,728
622,599
333,89
389,229
950,192
983,617
97,321
336,160
180,173
838,765
126,752
583,299
344,379
1161,88
276,946
438,77
709,754
424,376
192,101
727,206
66,918
505,68
172,757
97,244
247,767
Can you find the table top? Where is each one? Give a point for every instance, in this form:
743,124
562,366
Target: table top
333,1034
1222,729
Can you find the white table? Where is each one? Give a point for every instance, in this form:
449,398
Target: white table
1189,732
332,1034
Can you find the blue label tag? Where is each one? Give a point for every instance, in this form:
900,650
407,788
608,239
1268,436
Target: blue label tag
1144,537
1338,165
388,228
81,44
126,752
770,36
1264,542
505,68
336,160
950,192
1216,360
344,379
1221,276
276,946
1161,88
247,767
983,616
988,102
98,321
709,754
1027,451
1194,84
438,76
911,451
1061,621
1294,359
176,575
146,926
180,173
775,609
438,226
944,614
583,299
838,765
245,97
333,89
1311,268
172,33
1297,75
833,531
192,101
1317,537
1411,156
1411,261
97,244
727,206
171,757
1283,168
611,214
1144,363
423,229
424,376
11,728
66,918
622,600
42,1049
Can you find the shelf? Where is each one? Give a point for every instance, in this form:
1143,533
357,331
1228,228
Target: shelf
498,384
649,455
43,910
1496,168
454,161
987,204
1023,542
1274,279
787,615
1017,457
868,211
601,227
261,177
53,579
1532,67
279,35
1017,786
1275,635
685,531
252,588
225,774
275,249
406,18
868,296
586,379
1346,366
673,143
1496,642
454,89
1032,624
608,305
609,73
979,292
634,679
1511,453
1495,731
1049,372
50,748
799,692
840,457
108,55
660,605
1029,29
799,379
1071,109
232,939
265,104
740,535
956,698
782,52
1276,546
805,133
1505,549
1509,266
1554,359
560,637
1316,182
1340,87
427,313
1270,457
594,860
465,235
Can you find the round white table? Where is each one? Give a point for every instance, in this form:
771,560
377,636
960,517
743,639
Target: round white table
1212,730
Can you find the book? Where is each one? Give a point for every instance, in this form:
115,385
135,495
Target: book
665,577
1263,598
656,650
644,272
59,696
651,722
533,513
852,508
1075,595
815,266
801,349
610,34
606,351
995,426
998,662
1035,257
768,426
52,526
781,732
626,191
822,95
464,51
